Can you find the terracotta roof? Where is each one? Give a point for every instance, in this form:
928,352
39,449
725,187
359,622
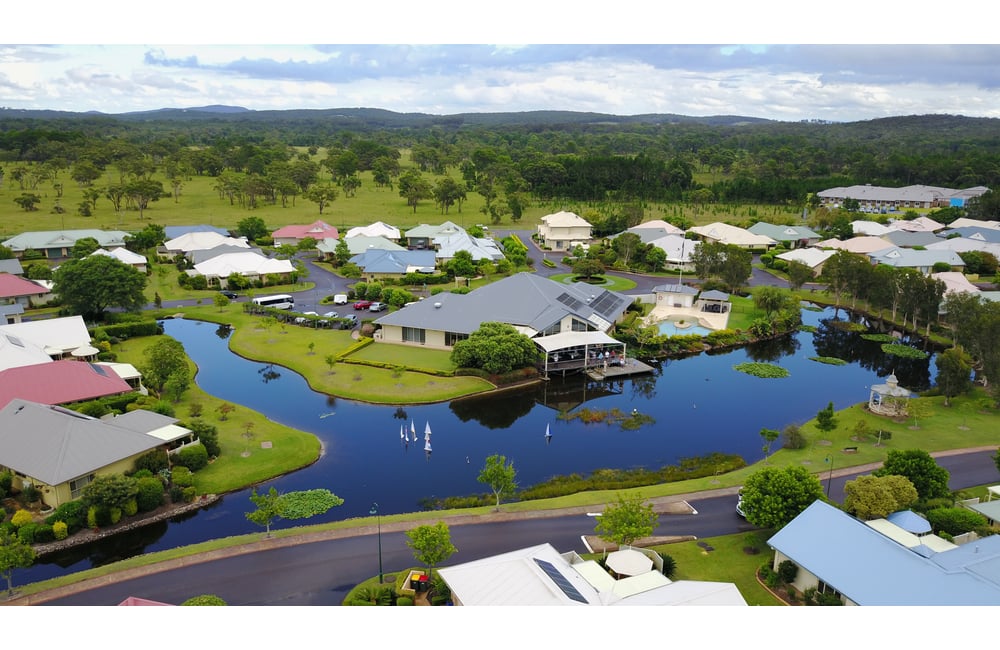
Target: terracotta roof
318,230
59,382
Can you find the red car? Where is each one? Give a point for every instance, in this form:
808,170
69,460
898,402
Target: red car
363,304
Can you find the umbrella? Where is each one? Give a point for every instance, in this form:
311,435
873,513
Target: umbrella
629,562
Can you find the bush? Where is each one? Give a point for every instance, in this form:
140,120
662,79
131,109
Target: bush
30,493
6,481
115,514
188,494
72,513
150,495
207,434
794,438
44,533
669,565
153,461
26,533
404,601
60,530
21,518
131,507
439,600
176,494
787,570
194,457
955,521
204,600
181,476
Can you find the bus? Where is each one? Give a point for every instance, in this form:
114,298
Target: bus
280,301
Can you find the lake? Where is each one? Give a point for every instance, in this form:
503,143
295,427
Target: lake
700,405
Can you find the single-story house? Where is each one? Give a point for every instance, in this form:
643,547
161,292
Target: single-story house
910,238
60,451
57,244
377,229
965,222
562,231
11,314
873,198
920,224
870,228
678,249
955,282
449,238
539,576
41,341
12,266
675,295
862,245
203,255
922,260
60,382
793,236
250,265
964,245
987,235
723,233
15,290
173,232
359,244
814,258
837,553
293,234
199,240
377,264
125,256
652,230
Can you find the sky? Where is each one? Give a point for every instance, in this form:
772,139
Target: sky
399,57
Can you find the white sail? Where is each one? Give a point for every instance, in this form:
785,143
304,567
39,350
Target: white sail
547,434
427,446
402,436
427,429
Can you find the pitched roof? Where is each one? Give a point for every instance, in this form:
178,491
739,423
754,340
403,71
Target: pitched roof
55,445
910,238
922,193
653,230
59,382
675,287
920,224
390,261
13,286
727,234
677,247
564,219
864,244
12,266
199,256
359,244
200,240
122,255
783,233
811,257
246,263
317,230
871,569
172,232
42,239
990,235
911,258
377,229
60,335
523,299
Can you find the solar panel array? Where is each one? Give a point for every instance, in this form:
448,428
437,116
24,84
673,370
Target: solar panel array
560,581
570,301
607,305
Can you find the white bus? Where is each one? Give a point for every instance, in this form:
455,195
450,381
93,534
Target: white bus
280,301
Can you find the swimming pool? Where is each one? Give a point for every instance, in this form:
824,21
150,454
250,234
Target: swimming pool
670,328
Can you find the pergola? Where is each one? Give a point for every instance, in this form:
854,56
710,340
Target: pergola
578,350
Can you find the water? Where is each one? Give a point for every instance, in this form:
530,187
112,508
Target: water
700,405
670,328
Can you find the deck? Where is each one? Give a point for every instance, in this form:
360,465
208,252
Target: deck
631,367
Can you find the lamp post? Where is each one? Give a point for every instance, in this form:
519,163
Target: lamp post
829,478
374,511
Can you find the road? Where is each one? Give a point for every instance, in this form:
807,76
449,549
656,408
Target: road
323,572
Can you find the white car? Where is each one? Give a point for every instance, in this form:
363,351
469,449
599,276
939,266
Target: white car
739,505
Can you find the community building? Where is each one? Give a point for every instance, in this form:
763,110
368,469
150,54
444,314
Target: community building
873,198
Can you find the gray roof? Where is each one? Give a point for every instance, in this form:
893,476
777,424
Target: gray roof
55,445
42,239
12,266
173,232
523,299
199,256
990,235
675,288
714,295
384,261
872,569
361,243
783,233
908,239
911,258
908,193
142,421
11,310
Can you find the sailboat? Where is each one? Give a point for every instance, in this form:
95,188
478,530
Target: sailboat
413,430
427,434
427,446
547,434
402,436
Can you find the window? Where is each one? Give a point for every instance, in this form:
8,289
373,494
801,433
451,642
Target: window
552,329
413,335
451,338
76,486
580,326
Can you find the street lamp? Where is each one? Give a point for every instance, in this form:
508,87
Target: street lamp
829,478
374,511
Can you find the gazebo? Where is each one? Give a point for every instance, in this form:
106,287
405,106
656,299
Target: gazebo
889,398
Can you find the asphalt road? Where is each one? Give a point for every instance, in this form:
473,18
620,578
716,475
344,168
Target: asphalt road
323,572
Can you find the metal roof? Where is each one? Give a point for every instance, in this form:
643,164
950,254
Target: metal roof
59,382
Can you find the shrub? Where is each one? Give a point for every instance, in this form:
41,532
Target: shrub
154,461
21,518
439,600
194,457
115,514
181,476
669,565
188,494
150,495
203,601
44,533
30,493
404,601
794,438
130,508
60,530
6,481
772,580
176,494
787,570
955,521
26,533
72,513
207,434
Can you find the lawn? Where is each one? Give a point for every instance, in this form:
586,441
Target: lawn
611,282
163,282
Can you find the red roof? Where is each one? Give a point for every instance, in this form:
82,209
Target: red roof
318,230
133,601
12,286
59,382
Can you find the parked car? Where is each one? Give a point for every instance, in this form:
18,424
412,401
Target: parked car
340,299
332,314
378,306
363,304
350,323
232,295
739,504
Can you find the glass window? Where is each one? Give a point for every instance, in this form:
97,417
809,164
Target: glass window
413,334
451,338
76,486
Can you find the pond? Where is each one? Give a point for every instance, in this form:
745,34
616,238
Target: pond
699,405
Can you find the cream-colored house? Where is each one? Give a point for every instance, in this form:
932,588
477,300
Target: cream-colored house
562,231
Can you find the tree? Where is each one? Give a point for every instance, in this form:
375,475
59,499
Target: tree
143,191
499,475
496,348
873,497
461,265
322,195
14,554
954,375
91,285
929,478
447,192
28,201
431,544
736,267
587,267
825,421
770,299
773,496
626,521
252,228
769,436
341,252
83,247
798,274
268,508
162,360
414,188
221,301
291,505
150,236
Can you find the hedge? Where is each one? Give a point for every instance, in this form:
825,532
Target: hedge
127,330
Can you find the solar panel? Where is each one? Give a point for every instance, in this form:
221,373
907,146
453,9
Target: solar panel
560,581
607,304
99,369
570,301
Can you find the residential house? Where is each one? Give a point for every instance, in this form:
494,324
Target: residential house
791,236
650,231
964,245
42,341
198,240
920,224
60,382
250,265
955,282
377,229
11,314
11,266
986,235
60,451
910,238
541,576
723,233
882,563
965,222
125,256
173,232
921,260
449,238
861,245
814,258
15,290
675,295
377,264
873,198
870,228
678,249
203,255
294,234
57,244
562,231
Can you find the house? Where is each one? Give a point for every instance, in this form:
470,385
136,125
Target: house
356,245
41,341
791,236
723,233
965,222
870,228
250,265
964,245
12,266
562,231
377,229
61,451
814,258
653,230
198,240
986,235
920,224
879,565
60,382
203,255
294,234
173,232
534,305
873,198
678,249
910,239
11,314
125,256
921,260
449,238
675,295
860,245
955,282
541,576
57,244
377,264
15,290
